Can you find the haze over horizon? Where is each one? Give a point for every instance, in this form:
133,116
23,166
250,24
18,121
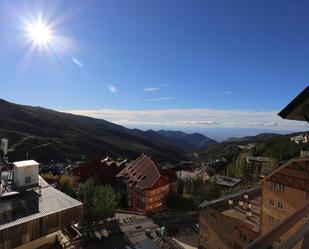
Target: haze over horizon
220,68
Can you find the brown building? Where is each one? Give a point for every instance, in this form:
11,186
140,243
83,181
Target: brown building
257,164
32,213
146,187
283,192
276,219
228,184
230,222
104,170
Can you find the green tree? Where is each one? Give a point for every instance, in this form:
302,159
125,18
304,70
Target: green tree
241,165
256,175
100,202
231,170
67,186
272,164
178,202
205,191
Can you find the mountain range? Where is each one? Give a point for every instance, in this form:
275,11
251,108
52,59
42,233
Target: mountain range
44,135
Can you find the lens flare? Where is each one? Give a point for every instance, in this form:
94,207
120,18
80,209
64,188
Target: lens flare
39,34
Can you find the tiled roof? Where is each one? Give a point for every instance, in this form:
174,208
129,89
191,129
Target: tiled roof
103,170
143,172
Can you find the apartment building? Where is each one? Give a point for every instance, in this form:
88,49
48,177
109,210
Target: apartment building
230,222
144,186
283,192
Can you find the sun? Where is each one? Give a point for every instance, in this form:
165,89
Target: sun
39,33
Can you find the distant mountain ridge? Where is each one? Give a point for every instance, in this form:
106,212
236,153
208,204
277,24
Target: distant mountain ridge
259,137
190,141
46,135
273,145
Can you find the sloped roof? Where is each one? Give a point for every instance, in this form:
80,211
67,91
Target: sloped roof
298,109
103,170
296,160
226,181
143,172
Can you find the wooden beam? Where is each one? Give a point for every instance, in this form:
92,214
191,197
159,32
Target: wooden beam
294,182
297,236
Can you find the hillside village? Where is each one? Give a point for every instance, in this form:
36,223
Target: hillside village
221,198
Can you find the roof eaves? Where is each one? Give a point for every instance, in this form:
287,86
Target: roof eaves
294,103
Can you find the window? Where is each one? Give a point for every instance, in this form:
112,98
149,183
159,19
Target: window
271,202
273,185
243,237
281,187
28,179
271,219
280,205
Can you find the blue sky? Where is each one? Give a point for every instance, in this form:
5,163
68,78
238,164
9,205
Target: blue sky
127,61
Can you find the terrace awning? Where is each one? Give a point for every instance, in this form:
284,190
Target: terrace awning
298,109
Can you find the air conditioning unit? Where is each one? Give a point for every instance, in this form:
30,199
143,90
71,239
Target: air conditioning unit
26,174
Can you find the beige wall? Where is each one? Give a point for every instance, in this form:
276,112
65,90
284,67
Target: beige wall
48,239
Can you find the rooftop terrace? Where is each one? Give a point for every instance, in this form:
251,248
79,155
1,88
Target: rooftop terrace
33,204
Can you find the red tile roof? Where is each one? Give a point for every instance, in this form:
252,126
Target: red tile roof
143,172
104,170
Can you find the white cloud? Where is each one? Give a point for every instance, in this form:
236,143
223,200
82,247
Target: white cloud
163,84
228,92
160,99
77,62
196,122
196,118
151,89
111,88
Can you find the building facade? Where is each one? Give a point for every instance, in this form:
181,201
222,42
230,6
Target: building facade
230,222
144,186
284,191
